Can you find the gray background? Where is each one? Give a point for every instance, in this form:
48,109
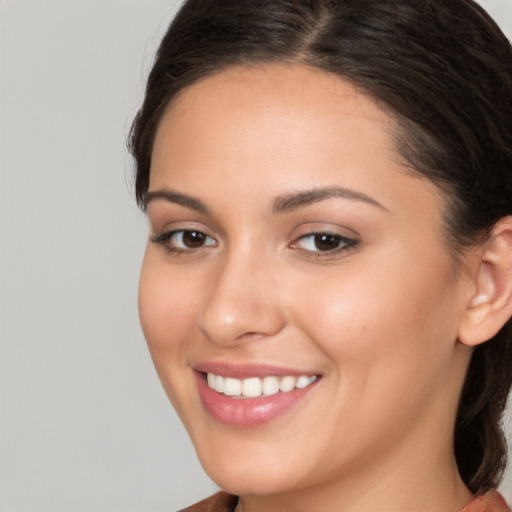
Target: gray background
84,425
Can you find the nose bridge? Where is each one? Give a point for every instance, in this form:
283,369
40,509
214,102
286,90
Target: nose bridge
242,300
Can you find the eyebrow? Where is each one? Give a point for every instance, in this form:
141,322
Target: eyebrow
289,202
176,198
282,204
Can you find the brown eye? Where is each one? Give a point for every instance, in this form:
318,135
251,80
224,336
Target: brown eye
328,243
184,240
193,239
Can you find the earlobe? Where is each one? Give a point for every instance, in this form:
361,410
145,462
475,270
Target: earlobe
490,306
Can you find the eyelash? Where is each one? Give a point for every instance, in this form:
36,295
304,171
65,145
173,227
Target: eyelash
165,238
344,243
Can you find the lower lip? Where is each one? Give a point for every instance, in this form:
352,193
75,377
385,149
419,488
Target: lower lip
248,412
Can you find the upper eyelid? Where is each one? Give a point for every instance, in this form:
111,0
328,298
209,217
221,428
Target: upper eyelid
173,231
325,232
161,222
164,239
315,228
302,231
158,227
348,239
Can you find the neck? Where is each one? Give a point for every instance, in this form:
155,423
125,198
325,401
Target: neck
406,480
415,474
387,494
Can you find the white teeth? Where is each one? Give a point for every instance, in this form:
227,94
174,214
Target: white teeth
270,386
254,386
304,381
287,384
232,387
251,387
219,383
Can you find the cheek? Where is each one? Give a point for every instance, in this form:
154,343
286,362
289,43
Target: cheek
399,322
389,340
167,310
166,306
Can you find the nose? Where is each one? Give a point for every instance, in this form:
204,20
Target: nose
243,302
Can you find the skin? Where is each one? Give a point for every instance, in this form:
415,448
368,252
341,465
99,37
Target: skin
378,320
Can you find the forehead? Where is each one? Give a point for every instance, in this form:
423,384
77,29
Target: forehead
243,137
263,113
271,85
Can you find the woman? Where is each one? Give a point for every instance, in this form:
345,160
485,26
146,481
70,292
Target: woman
327,288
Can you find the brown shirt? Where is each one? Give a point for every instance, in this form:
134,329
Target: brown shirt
222,502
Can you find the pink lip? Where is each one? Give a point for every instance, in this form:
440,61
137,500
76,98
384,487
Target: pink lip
247,412
245,371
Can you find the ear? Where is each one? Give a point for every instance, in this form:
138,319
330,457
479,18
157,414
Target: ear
490,305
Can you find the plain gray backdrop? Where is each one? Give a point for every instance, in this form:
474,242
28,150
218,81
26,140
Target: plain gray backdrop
84,425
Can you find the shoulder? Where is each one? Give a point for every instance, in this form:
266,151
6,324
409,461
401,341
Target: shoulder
488,502
220,502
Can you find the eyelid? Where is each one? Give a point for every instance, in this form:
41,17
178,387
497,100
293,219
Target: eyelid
164,237
343,239
346,243
167,235
340,240
163,225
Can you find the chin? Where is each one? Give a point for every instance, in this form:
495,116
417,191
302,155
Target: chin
248,472
259,481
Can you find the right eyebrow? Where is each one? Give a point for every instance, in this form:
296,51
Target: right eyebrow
301,199
176,198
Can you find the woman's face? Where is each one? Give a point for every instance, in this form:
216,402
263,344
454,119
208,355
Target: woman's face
290,247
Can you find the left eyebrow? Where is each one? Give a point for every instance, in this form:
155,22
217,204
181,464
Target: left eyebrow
294,201
176,198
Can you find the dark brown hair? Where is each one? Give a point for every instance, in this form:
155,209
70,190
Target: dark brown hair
443,69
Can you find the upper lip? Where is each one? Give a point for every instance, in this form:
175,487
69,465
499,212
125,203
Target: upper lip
245,371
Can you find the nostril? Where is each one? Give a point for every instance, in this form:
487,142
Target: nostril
236,311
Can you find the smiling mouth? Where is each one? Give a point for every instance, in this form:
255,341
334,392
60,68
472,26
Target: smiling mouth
255,387
246,396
